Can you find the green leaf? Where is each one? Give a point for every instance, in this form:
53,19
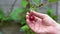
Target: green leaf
16,14
7,18
2,15
22,22
52,0
24,28
50,12
31,32
54,17
24,3
23,18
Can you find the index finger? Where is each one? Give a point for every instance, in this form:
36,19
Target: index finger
40,15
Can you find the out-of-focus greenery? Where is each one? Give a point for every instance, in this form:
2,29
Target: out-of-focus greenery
1,14
50,12
24,28
53,0
20,14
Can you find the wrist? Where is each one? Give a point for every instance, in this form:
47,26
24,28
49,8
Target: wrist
57,27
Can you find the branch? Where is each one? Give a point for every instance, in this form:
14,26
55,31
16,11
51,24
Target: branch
41,5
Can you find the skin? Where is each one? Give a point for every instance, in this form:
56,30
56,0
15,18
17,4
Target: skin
43,24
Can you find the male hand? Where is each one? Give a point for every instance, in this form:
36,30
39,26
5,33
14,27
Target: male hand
43,24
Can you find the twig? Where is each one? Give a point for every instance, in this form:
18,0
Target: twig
43,5
12,7
28,5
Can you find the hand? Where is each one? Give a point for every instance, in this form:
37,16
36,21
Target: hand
43,24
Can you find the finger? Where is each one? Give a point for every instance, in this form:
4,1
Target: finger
27,16
30,24
38,20
27,13
40,15
37,23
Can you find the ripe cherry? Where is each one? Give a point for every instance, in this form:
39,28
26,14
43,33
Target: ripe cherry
31,17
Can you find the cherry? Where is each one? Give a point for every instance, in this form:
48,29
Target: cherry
31,17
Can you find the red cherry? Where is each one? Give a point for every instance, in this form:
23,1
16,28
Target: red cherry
31,17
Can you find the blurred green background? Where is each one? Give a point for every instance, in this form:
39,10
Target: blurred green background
13,14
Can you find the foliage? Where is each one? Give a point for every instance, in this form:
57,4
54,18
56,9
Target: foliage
52,1
15,13
24,3
1,17
1,14
24,28
50,13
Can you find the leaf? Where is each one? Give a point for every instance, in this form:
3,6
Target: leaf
55,17
16,14
22,22
24,3
2,15
31,32
24,28
23,18
7,18
50,12
52,0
